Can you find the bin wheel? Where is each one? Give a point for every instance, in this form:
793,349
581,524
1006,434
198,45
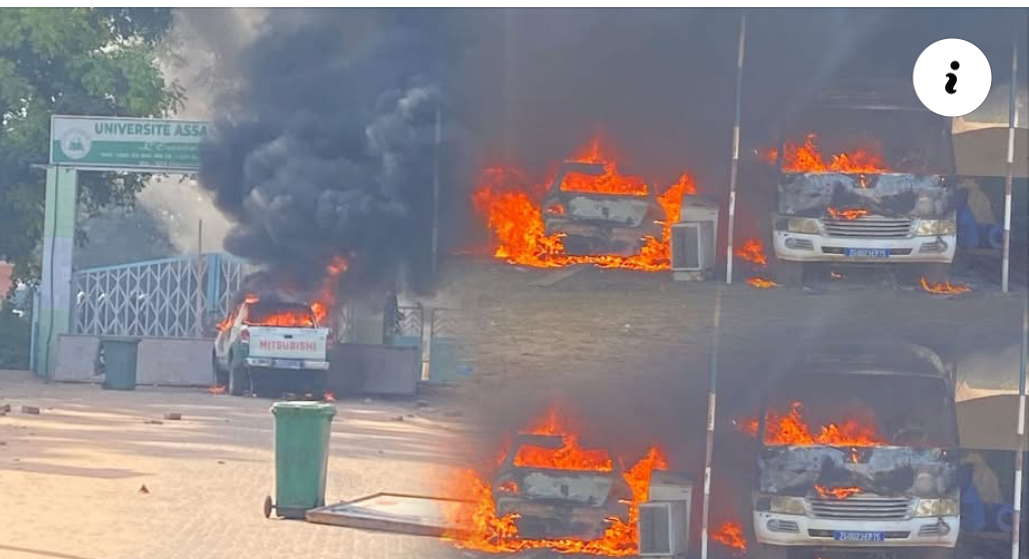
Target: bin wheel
268,506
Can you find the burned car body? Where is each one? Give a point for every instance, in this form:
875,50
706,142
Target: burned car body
898,491
558,503
598,223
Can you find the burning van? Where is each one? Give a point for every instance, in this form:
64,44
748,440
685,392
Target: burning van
858,452
865,180
614,219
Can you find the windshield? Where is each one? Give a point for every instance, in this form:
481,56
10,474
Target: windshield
900,141
280,314
860,410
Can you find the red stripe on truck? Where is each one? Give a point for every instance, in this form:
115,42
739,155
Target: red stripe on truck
288,345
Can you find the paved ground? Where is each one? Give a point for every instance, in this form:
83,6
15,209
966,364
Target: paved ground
71,477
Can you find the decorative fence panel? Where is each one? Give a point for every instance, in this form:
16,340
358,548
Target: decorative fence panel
173,297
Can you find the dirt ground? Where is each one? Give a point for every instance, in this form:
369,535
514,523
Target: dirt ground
71,477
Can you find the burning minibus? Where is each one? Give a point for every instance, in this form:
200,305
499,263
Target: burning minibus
858,452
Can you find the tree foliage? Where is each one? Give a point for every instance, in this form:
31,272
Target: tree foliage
90,61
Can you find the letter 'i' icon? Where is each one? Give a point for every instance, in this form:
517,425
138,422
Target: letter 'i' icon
952,78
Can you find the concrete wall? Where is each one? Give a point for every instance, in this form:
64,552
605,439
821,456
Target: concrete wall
76,358
165,361
175,361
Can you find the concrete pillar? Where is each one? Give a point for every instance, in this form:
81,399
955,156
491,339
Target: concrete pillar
55,294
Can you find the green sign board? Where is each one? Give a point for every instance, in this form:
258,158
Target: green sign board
126,144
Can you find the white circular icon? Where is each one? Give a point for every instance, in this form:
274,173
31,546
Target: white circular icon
952,77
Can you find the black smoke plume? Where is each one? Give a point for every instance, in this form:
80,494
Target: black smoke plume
328,149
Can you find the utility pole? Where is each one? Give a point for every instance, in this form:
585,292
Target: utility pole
1012,123
734,170
716,334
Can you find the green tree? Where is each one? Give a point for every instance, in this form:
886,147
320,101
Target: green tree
95,61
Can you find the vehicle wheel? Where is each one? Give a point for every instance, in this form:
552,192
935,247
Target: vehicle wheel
935,272
318,385
221,378
239,381
268,506
788,272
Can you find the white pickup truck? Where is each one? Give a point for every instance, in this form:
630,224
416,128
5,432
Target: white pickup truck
271,343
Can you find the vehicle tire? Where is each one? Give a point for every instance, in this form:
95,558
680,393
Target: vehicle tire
221,378
239,380
935,272
788,272
318,385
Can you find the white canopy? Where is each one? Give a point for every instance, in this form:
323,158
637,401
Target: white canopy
981,137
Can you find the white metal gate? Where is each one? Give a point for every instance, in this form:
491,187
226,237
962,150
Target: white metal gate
174,297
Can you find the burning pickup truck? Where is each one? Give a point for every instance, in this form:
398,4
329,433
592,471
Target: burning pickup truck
853,484
265,340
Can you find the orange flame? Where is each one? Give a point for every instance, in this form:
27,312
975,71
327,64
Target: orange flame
215,389
944,288
292,318
848,213
753,251
807,158
790,429
513,213
836,492
835,275
483,530
610,182
758,282
329,396
730,534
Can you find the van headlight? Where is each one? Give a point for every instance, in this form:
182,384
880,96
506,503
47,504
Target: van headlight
937,507
787,505
935,227
802,225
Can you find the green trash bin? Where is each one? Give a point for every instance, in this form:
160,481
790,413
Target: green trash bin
117,362
302,432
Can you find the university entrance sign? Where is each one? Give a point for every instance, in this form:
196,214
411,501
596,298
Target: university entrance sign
96,143
126,144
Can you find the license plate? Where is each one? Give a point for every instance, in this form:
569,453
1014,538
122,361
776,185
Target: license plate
848,536
287,364
867,252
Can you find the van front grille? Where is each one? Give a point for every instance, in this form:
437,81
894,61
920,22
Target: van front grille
861,508
875,227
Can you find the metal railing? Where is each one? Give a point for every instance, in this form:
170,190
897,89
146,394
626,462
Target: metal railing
171,297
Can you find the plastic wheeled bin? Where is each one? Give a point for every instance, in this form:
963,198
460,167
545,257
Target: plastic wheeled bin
117,362
302,432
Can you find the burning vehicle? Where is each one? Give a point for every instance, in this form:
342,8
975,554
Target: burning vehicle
590,212
551,503
885,195
265,339
831,477
614,220
550,492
